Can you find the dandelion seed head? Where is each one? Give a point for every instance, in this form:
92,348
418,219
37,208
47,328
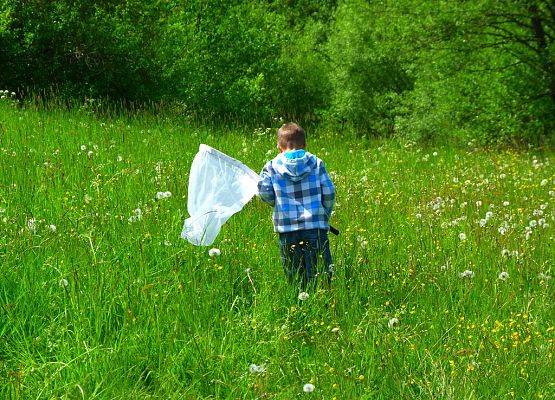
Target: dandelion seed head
544,277
503,276
467,274
303,296
392,322
214,252
308,388
163,195
32,225
256,369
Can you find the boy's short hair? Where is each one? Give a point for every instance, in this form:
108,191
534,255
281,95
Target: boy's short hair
291,136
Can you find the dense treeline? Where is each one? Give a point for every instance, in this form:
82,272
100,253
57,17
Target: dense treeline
480,69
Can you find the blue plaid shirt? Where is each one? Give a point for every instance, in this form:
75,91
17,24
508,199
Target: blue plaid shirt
297,184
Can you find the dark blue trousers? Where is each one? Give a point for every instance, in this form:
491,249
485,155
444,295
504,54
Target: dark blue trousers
306,256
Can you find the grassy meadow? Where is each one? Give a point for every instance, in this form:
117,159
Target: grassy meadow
442,286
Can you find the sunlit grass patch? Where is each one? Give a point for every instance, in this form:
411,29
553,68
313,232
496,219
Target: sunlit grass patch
442,285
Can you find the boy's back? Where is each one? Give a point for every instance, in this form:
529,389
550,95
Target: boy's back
297,184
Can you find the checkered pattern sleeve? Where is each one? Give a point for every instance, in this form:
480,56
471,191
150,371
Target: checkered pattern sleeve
265,186
328,190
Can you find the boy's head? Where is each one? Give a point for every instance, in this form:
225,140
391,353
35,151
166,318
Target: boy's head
291,137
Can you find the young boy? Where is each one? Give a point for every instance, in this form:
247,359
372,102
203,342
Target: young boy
297,184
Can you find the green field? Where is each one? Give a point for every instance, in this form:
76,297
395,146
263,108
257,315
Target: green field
95,304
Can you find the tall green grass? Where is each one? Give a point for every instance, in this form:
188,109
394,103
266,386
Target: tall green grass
103,308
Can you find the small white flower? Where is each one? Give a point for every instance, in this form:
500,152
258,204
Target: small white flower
483,222
137,215
308,388
418,215
434,154
64,282
543,182
119,158
537,213
505,253
335,330
533,223
163,195
90,153
544,277
502,230
83,147
503,276
214,252
489,214
506,203
552,193
303,296
256,369
392,322
462,236
479,203
502,176
52,228
32,225
467,274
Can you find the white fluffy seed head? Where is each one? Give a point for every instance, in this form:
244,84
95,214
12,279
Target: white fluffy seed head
308,388
467,274
392,322
303,296
256,369
214,252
